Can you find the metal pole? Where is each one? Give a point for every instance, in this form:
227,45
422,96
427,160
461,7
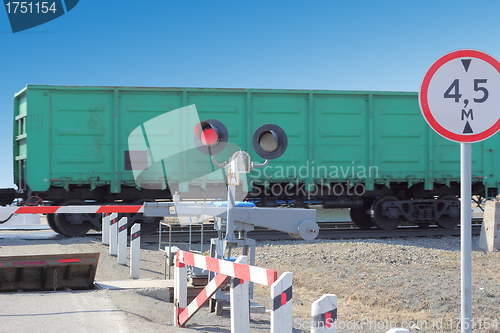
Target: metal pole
231,193
201,241
169,248
466,236
190,224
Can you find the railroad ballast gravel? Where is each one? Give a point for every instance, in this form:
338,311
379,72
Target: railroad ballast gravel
411,282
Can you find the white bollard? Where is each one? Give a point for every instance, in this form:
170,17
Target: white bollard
324,314
113,237
398,330
105,227
281,313
180,289
122,241
240,303
105,230
135,251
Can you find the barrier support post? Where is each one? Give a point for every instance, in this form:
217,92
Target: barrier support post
135,251
281,295
122,241
324,314
240,302
180,289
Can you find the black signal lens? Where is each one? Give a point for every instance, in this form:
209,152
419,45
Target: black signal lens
269,141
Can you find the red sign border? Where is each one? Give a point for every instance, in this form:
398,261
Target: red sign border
424,106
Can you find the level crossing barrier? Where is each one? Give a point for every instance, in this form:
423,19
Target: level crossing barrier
109,237
241,274
91,209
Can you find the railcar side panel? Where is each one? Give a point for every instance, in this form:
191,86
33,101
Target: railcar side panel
78,136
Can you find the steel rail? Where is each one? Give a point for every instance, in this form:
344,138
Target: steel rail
326,233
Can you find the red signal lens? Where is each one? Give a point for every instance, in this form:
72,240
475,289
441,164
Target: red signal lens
209,137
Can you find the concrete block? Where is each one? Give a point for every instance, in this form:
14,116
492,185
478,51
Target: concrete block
257,308
490,230
254,307
398,330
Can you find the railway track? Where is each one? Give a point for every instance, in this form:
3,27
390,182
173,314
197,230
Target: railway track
325,233
328,230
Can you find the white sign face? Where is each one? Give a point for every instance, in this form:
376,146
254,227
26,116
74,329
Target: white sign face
460,96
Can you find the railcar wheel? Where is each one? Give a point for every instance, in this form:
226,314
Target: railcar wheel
378,218
446,221
360,218
149,224
73,225
51,220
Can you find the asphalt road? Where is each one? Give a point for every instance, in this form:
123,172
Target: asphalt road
60,312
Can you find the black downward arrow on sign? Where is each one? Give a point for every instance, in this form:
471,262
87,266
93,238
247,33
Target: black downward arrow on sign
467,129
466,63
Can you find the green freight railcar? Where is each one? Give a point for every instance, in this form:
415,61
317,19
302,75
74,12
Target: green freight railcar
368,151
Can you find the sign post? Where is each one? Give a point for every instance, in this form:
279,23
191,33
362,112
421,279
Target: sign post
460,99
466,235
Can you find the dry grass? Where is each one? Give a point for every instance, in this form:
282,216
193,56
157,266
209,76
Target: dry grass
385,281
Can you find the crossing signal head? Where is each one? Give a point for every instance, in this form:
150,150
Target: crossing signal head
269,141
210,136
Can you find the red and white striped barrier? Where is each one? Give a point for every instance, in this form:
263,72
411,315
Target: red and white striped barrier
281,290
202,297
72,209
250,273
110,230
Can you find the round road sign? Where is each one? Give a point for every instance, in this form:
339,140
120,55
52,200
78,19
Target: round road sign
460,96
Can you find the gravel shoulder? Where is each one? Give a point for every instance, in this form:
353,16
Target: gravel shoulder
404,281
409,282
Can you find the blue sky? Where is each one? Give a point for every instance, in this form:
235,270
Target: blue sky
338,45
